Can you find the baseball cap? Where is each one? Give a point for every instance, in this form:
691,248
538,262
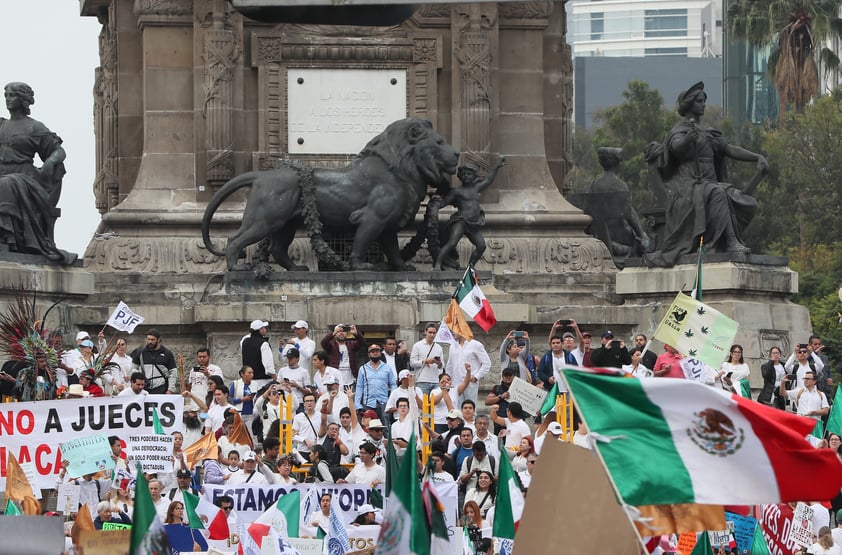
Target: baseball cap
508,370
555,428
568,334
183,473
370,414
250,456
521,343
329,380
87,343
257,324
293,353
365,508
403,374
607,334
454,413
374,347
82,335
300,324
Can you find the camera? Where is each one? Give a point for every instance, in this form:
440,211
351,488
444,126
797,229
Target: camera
793,378
346,328
197,368
615,344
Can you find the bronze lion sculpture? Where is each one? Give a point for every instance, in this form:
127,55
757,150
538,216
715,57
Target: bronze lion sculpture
374,197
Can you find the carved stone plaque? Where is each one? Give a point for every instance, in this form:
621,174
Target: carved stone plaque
337,111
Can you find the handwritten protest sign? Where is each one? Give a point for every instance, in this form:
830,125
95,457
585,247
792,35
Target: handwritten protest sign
29,469
32,431
152,451
87,455
743,531
530,397
100,542
802,525
68,498
116,526
686,543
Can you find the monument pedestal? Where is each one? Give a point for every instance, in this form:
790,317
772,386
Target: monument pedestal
753,290
34,275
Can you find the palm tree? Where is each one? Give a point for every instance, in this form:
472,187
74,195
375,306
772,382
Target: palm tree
797,30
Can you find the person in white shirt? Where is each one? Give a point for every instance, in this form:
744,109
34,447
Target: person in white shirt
492,443
799,363
293,378
426,359
160,502
216,413
197,379
403,428
552,432
438,473
516,428
335,400
136,386
306,346
249,473
305,424
117,377
811,402
405,389
463,354
367,471
321,371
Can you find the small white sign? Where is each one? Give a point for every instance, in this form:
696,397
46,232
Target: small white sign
802,525
152,451
337,111
531,398
29,469
68,498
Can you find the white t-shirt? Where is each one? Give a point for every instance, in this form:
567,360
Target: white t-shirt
440,410
199,382
362,475
516,432
242,477
298,375
129,393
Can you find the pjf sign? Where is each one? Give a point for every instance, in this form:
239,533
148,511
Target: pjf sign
124,319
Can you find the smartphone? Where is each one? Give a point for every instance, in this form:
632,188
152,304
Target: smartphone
517,334
286,380
615,344
346,329
565,322
728,375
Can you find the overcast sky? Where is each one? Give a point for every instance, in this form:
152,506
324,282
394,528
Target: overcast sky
46,44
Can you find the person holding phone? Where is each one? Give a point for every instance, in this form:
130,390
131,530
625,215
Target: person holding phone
612,354
734,373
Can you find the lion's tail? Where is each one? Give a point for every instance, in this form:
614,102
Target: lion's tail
233,185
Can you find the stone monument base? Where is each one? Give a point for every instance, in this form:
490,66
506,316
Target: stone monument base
754,290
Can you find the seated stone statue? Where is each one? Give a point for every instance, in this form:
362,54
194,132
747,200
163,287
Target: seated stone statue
700,202
607,200
28,195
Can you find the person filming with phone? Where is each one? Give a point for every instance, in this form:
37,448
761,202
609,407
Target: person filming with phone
612,354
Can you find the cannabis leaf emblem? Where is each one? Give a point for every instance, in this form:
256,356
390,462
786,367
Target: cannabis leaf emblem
705,330
688,333
700,311
692,352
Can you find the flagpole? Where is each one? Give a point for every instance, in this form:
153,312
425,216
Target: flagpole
461,281
607,473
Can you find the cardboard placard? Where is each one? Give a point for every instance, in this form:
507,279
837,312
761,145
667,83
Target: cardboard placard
68,498
105,542
530,397
686,543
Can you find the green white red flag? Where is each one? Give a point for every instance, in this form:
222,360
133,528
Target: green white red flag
679,441
282,517
508,507
473,301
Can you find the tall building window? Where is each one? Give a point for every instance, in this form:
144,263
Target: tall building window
665,23
665,52
597,25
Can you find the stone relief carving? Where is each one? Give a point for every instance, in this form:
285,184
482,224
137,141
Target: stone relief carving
425,51
162,7
474,25
165,255
106,182
221,53
525,10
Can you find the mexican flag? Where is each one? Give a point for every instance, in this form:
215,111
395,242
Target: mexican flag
834,421
282,517
434,513
204,515
404,530
473,302
678,441
509,505
696,330
148,536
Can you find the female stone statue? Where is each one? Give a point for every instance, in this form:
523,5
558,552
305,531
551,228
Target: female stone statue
28,195
691,165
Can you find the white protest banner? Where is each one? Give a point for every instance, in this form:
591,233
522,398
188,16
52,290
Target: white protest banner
68,498
29,469
124,319
308,546
694,369
32,431
802,525
152,451
530,397
87,455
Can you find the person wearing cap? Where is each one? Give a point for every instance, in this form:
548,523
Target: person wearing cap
376,437
86,380
612,354
184,481
321,371
306,346
333,400
499,395
257,353
479,461
197,379
468,355
267,405
549,428
249,473
427,359
294,379
445,398
366,516
405,389
157,363
375,381
341,347
86,359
